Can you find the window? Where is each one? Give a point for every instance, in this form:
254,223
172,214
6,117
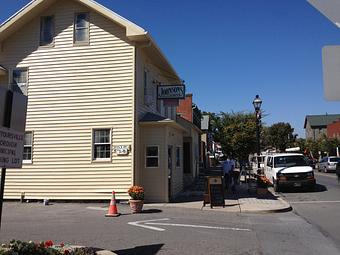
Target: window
101,144
19,78
46,30
27,157
152,156
81,28
289,161
178,156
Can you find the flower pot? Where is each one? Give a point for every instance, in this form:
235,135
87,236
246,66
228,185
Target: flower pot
136,205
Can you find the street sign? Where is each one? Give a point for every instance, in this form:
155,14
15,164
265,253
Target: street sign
12,138
329,8
11,148
171,91
331,72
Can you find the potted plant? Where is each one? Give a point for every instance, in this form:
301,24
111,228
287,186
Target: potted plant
262,184
137,198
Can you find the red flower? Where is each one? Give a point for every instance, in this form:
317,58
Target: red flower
48,243
66,252
62,245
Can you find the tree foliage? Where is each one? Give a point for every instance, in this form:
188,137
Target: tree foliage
280,136
236,132
320,147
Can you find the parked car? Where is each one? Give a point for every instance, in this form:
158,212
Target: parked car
289,170
328,164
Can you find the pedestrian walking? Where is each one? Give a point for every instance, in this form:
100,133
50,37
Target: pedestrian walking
226,166
235,174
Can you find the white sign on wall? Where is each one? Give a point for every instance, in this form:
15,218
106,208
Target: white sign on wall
11,148
122,149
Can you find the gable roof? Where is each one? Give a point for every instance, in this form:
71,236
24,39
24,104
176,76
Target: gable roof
321,120
134,32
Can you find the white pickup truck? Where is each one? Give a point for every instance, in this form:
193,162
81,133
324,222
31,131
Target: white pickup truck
289,170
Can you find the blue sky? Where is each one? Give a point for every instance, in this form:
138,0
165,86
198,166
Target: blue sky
227,51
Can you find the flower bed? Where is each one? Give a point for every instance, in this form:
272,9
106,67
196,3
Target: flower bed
16,247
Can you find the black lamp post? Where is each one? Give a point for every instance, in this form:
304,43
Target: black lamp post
257,106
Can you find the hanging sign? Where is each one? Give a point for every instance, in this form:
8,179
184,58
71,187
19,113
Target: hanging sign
171,91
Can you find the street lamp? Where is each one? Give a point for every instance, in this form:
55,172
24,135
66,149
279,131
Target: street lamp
257,106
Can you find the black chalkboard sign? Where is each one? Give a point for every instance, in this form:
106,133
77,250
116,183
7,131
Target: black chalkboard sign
216,192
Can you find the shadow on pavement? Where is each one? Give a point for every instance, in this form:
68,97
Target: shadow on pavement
151,211
141,250
318,188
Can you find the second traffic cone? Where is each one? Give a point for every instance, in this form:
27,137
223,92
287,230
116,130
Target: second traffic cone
113,211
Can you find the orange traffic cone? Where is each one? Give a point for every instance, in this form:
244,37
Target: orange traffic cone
113,211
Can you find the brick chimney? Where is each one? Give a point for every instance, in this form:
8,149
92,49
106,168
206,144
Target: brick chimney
184,109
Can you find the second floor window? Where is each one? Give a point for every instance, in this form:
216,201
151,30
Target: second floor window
19,78
46,30
81,28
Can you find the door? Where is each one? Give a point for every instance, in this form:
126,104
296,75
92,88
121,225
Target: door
186,158
170,163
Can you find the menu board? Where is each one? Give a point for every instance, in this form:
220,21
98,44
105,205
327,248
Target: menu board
216,191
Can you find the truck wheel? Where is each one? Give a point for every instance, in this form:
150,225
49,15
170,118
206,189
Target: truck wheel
276,186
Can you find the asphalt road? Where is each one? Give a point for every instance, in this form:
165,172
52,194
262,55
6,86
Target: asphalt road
165,230
320,208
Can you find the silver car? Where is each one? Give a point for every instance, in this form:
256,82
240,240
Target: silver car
328,164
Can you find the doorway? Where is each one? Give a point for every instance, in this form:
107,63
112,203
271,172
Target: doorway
170,163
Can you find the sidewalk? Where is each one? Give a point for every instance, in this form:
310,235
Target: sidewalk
243,200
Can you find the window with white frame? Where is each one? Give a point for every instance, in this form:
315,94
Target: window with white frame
46,30
152,156
19,78
178,156
28,144
81,28
101,144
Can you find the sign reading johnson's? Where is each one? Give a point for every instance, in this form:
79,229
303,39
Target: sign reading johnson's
171,91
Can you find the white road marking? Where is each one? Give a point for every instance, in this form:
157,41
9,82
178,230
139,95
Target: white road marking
146,223
197,226
313,202
138,224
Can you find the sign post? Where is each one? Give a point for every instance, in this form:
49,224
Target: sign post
6,123
12,127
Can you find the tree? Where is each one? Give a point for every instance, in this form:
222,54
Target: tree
280,136
236,132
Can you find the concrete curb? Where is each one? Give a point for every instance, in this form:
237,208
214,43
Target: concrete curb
102,252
